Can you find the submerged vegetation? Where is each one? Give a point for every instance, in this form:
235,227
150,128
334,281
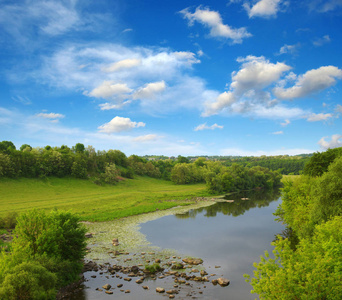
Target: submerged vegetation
308,266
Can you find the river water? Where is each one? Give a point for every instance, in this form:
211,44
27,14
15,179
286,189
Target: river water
228,236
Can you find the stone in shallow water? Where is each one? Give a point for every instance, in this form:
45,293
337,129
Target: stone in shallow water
106,286
160,290
223,281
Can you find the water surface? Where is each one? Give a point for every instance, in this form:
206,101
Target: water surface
229,235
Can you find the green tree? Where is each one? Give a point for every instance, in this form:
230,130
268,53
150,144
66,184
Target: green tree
312,271
79,148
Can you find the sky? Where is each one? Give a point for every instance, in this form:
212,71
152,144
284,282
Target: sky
234,77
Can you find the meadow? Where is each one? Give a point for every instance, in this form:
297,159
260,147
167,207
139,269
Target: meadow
93,202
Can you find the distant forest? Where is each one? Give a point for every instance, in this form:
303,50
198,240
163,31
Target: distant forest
220,173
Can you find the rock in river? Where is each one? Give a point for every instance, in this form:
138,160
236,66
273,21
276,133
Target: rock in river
223,281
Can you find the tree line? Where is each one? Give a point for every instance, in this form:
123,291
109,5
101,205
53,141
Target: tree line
113,165
307,261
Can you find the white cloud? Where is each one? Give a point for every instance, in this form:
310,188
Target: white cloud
311,82
319,117
264,8
109,90
109,106
333,143
150,90
292,49
122,64
119,124
321,41
146,138
213,20
226,99
205,126
247,94
278,132
256,72
285,123
50,116
160,70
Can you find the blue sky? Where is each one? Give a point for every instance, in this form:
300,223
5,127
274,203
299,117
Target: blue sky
173,77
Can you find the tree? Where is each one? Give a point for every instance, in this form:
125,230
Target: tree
79,148
312,271
24,146
6,147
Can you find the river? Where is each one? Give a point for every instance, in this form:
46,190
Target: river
228,236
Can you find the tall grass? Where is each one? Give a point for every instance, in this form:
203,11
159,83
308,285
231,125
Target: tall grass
92,202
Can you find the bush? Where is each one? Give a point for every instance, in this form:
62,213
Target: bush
9,221
57,234
28,280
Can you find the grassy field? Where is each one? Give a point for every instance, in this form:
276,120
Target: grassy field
92,202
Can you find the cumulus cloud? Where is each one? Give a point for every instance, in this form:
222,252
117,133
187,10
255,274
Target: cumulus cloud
109,90
247,92
146,138
119,124
264,8
334,142
256,72
122,64
319,117
150,90
311,82
213,20
205,126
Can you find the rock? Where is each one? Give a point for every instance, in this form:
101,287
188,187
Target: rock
173,291
171,296
160,290
127,279
127,291
214,281
119,285
157,261
223,281
203,273
106,286
109,292
194,270
192,261
135,269
145,287
115,242
139,281
89,235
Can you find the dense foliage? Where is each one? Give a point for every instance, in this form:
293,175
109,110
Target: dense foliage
45,255
310,267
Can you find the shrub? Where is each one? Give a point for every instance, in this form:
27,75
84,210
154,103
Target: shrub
9,221
28,281
57,234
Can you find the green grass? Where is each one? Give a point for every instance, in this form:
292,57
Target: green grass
92,202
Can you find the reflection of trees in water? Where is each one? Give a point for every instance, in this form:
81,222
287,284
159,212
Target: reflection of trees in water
238,207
